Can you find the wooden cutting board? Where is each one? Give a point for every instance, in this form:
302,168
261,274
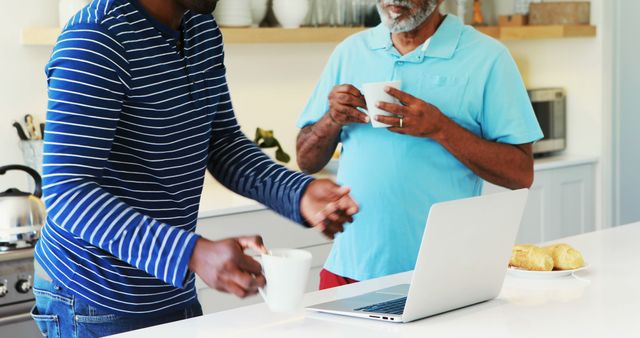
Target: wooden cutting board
560,13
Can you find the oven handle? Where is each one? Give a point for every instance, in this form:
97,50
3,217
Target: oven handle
15,319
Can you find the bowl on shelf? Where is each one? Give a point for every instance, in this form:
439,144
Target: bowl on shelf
259,9
233,13
291,13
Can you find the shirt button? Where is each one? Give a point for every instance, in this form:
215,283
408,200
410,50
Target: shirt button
400,63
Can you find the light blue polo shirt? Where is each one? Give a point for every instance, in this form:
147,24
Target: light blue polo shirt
472,79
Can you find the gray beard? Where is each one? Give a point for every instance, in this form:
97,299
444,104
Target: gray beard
410,23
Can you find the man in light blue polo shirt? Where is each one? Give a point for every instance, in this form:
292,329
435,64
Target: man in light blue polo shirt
465,117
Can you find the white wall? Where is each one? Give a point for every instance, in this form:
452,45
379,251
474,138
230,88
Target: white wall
583,66
627,114
270,84
22,81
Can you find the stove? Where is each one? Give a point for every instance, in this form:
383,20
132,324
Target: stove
16,280
17,245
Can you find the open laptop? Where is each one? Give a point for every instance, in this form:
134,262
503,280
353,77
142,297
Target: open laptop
462,261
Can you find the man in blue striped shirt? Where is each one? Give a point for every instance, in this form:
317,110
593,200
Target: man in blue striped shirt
138,110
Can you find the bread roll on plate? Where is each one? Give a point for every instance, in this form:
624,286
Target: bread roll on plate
531,257
565,257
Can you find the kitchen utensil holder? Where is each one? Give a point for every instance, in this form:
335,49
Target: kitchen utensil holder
32,156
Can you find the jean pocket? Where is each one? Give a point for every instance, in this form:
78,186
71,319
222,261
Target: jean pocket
101,325
49,325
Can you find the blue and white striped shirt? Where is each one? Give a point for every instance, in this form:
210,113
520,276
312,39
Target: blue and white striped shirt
132,126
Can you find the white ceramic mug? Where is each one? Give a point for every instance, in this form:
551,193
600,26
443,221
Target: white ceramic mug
286,271
374,93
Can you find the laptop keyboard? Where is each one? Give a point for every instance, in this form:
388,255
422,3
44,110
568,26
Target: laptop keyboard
392,307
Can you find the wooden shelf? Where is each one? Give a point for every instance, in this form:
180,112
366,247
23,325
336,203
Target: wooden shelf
282,35
38,36
46,36
540,32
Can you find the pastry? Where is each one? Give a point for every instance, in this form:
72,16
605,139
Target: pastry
531,257
565,257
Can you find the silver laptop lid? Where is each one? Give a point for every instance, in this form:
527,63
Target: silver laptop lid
464,253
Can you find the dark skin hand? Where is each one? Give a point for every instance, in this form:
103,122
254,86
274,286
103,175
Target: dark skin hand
507,165
316,143
224,266
327,207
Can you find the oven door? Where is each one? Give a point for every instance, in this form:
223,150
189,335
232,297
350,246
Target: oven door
16,321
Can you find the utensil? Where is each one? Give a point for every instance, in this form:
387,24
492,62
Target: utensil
21,134
42,130
22,214
32,132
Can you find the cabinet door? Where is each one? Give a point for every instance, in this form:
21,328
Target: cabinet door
573,202
536,213
561,204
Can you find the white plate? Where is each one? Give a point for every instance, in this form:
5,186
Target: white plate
543,274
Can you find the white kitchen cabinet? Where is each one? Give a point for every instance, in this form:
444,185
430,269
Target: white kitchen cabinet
561,202
277,232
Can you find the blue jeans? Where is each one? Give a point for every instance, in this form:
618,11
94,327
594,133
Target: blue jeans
59,314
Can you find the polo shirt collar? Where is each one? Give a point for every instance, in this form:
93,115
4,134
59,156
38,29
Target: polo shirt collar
443,43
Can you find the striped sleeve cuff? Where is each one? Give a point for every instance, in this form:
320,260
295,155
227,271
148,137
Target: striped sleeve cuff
165,254
182,274
298,193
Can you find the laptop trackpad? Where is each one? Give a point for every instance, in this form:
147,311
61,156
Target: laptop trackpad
401,290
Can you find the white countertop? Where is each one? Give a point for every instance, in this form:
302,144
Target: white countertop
563,161
603,302
218,201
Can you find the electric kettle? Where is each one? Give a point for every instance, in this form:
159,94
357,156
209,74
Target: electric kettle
22,214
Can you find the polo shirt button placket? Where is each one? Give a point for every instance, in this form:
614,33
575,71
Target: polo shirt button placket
192,87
